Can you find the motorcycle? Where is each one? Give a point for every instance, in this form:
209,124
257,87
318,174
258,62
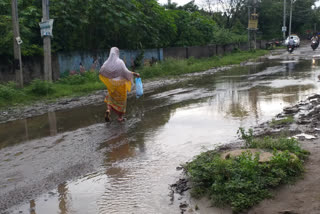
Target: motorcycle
290,48
314,44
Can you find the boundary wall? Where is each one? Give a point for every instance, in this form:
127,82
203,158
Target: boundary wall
63,63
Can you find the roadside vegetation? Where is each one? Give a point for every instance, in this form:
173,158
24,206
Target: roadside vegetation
40,90
141,24
82,84
172,67
284,121
243,181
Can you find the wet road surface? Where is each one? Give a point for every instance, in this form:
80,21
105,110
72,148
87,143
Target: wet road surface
72,162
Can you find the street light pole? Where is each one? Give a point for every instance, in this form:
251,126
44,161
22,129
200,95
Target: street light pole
290,21
284,18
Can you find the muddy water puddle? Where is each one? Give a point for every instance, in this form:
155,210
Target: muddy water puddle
175,123
50,124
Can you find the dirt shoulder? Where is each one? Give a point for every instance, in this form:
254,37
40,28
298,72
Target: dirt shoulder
95,98
304,195
300,197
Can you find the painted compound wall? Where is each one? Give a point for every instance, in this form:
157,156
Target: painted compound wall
66,62
71,61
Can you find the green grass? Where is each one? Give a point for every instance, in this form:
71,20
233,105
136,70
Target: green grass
39,90
283,121
280,143
78,85
173,67
243,181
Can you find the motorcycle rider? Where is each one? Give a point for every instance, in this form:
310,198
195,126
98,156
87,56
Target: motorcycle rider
315,38
314,41
291,43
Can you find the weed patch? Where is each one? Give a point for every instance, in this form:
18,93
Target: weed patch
283,121
9,91
172,67
40,87
270,143
79,79
243,181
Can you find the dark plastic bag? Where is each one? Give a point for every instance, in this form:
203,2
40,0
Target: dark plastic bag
139,87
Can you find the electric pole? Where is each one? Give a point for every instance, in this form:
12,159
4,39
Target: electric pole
16,43
249,43
290,20
46,44
284,19
255,31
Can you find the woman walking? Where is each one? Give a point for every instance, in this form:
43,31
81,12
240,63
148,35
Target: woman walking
118,79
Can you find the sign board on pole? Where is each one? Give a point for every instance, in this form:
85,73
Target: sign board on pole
284,29
253,22
19,41
46,28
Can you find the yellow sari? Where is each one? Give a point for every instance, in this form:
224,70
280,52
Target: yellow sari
117,93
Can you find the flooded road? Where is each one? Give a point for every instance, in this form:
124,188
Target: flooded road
72,162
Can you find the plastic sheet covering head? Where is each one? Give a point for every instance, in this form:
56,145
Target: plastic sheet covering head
114,67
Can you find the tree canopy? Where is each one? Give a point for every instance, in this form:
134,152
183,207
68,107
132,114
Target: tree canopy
135,24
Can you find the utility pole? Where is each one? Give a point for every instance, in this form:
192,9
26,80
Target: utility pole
46,44
249,43
16,43
290,21
284,19
255,31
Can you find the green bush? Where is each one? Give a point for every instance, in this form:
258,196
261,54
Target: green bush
79,79
40,87
76,79
243,181
225,36
267,142
9,91
247,136
172,67
283,121
91,76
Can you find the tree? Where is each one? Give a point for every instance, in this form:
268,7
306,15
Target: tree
170,5
189,7
5,28
231,10
303,16
270,18
192,28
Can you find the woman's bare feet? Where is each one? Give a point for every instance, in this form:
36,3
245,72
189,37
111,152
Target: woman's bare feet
107,115
121,119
